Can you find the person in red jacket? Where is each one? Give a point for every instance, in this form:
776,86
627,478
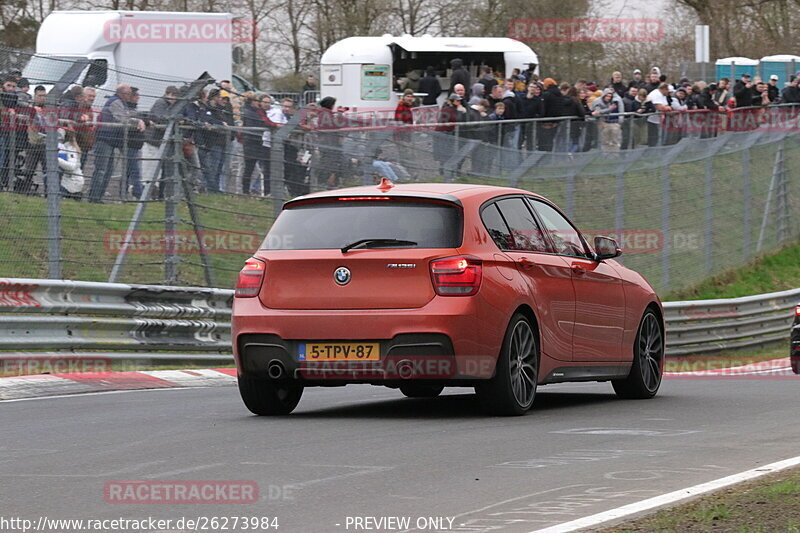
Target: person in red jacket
403,115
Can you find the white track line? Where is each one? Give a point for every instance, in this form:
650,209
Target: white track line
669,498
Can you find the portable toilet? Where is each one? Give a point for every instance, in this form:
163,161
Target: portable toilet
782,65
733,67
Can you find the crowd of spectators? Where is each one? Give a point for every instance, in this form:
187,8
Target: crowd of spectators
221,133
616,114
218,132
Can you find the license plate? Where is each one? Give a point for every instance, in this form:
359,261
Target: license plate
339,351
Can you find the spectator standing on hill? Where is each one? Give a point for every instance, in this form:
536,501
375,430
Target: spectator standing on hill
637,81
791,94
772,88
430,85
723,92
210,138
86,123
606,108
460,75
154,135
487,79
743,91
659,103
136,138
255,153
617,85
531,106
115,116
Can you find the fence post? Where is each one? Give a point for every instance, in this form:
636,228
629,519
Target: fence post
746,252
123,170
782,197
53,176
619,204
171,211
708,234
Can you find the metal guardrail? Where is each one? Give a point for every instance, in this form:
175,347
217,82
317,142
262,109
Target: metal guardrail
192,325
703,326
77,316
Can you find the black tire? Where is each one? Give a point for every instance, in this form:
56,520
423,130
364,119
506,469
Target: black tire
267,397
421,390
647,370
513,388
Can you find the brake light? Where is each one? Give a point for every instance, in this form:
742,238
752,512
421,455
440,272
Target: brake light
456,276
250,278
363,198
797,310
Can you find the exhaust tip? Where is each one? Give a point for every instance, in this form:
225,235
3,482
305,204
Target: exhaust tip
276,370
405,369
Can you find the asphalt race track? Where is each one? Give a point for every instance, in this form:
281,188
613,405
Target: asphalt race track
362,451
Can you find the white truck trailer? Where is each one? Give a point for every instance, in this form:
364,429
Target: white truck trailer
146,49
361,72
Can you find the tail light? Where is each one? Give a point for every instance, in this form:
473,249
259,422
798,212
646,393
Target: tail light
250,278
456,276
797,310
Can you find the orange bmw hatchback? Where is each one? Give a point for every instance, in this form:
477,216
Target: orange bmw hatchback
424,286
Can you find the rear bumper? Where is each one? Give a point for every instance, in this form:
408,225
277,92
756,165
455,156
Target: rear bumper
446,341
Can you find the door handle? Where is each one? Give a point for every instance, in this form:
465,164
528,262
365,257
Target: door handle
578,269
526,263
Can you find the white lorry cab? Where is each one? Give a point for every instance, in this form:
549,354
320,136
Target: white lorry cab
363,72
146,49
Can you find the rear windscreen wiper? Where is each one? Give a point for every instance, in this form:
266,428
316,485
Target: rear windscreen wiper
376,242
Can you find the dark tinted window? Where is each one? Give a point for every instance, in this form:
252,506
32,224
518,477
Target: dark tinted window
497,228
525,231
97,74
566,238
335,225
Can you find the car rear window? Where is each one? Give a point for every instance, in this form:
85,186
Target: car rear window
335,225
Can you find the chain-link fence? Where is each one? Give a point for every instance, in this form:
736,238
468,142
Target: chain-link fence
181,186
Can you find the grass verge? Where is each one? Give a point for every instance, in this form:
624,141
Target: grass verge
767,505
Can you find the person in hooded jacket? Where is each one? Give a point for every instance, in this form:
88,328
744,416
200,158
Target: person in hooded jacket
487,79
431,86
460,75
606,109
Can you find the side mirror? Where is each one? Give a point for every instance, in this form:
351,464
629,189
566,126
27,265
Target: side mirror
606,248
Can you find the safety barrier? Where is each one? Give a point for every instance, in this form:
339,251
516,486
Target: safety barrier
153,322
75,316
703,326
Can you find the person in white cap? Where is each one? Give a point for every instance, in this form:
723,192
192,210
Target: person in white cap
637,80
774,90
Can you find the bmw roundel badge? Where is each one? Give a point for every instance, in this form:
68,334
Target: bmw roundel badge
342,275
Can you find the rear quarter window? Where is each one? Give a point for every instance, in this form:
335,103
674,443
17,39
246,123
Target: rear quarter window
333,225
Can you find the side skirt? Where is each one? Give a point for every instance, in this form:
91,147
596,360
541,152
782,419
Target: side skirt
587,373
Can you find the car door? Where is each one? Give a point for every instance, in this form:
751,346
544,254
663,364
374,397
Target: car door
547,275
599,296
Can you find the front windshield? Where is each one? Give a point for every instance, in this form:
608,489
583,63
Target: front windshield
47,69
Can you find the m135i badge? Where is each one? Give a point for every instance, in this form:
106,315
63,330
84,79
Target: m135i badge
401,265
